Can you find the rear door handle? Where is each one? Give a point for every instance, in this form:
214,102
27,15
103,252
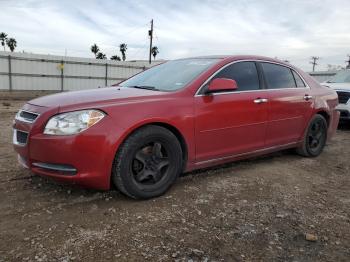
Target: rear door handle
307,97
260,100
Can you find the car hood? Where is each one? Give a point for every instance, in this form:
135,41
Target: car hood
338,86
94,96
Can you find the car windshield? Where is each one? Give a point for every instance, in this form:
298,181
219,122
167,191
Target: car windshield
341,77
171,75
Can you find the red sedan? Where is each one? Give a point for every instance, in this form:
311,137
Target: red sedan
175,117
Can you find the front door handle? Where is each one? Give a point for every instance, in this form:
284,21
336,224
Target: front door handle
260,100
307,97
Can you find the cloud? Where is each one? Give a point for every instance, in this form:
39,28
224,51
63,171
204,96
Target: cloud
293,30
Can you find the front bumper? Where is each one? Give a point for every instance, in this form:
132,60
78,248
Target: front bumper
85,159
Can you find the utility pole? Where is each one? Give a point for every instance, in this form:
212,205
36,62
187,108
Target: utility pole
348,61
313,62
150,33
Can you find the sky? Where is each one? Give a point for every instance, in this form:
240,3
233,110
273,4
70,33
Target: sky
289,30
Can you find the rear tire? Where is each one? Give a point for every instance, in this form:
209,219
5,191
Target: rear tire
147,163
315,137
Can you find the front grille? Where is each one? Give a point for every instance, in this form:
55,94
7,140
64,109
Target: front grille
343,97
344,114
26,116
20,137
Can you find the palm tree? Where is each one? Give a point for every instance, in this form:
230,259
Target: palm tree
116,58
11,43
101,56
154,52
95,49
3,39
123,48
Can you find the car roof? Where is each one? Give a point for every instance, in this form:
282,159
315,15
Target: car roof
240,57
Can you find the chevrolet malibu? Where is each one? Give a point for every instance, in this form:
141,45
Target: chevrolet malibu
179,116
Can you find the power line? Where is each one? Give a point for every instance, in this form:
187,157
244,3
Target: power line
313,62
137,28
155,36
138,50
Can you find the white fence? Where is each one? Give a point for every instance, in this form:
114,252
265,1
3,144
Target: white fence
21,71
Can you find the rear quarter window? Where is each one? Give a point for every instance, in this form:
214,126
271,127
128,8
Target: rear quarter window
298,80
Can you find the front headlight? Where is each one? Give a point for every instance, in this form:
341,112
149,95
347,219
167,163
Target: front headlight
72,122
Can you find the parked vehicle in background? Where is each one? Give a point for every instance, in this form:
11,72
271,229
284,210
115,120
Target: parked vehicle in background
179,116
341,83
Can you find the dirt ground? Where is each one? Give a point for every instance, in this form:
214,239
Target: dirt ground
252,210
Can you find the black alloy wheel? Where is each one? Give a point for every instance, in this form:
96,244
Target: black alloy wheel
315,137
148,162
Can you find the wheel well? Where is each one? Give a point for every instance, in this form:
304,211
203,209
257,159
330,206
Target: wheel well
325,115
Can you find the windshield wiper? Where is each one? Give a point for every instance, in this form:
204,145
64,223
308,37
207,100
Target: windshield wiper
145,87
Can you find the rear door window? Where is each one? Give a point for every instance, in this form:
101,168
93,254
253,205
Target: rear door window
278,76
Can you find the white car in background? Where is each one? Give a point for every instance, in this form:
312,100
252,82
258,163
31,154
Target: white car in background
341,83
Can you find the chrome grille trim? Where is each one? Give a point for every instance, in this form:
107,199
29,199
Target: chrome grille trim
24,119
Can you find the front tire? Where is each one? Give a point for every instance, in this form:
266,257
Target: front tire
315,137
147,163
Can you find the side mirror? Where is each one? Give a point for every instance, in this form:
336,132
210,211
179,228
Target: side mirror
222,84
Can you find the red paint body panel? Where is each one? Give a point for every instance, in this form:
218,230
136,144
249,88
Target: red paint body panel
220,84
228,124
288,113
215,129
